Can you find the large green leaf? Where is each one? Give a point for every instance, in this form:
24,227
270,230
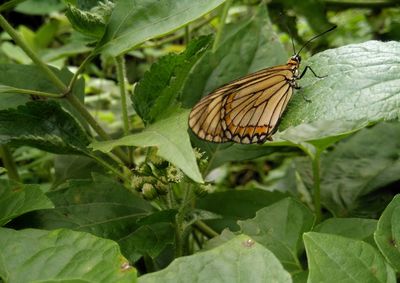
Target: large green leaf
170,137
35,79
156,232
100,206
359,165
375,95
239,260
320,134
238,205
68,167
60,256
44,125
280,227
387,236
133,22
355,228
17,199
34,7
334,259
32,78
105,208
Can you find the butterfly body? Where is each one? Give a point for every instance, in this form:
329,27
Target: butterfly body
246,110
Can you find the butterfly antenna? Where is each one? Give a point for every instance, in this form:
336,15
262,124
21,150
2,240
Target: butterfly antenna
290,34
318,35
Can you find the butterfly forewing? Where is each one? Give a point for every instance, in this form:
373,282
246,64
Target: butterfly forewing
246,110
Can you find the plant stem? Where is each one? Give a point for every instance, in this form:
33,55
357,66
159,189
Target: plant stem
10,4
110,167
205,229
179,219
79,71
21,43
316,168
187,35
30,92
9,164
221,24
121,75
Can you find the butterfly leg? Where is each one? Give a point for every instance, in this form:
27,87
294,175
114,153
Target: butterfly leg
299,87
312,71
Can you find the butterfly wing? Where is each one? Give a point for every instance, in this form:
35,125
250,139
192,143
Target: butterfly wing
246,110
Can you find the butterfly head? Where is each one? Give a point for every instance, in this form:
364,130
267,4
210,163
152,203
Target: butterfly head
295,60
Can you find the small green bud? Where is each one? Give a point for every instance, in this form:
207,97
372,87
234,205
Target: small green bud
137,182
203,190
149,192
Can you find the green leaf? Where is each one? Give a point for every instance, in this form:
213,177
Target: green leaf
373,98
68,167
106,209
100,206
334,258
35,79
279,227
321,134
148,240
239,260
387,236
17,199
60,256
359,166
34,7
156,232
238,205
88,23
355,228
77,44
32,77
133,22
222,153
44,125
170,137
46,34
155,95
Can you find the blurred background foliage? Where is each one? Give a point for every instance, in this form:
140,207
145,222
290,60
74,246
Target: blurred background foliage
45,27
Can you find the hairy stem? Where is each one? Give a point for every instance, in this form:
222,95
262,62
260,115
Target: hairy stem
222,20
205,229
30,92
9,164
317,185
121,75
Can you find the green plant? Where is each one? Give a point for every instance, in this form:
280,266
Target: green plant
117,160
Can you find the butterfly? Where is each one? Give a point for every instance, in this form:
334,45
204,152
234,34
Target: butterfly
247,110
